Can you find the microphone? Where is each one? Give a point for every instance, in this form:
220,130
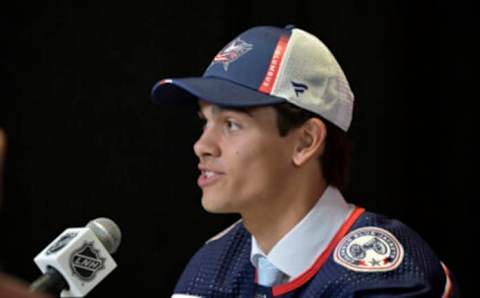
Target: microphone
78,259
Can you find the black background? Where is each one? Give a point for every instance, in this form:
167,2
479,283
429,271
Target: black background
86,141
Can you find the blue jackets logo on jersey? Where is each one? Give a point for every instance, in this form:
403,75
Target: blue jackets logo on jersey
232,52
369,249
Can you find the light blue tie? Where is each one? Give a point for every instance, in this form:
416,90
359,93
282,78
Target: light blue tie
268,275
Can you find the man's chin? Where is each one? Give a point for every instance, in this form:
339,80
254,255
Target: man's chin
216,206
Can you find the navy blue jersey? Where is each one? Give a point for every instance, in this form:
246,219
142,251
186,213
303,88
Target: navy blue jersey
370,256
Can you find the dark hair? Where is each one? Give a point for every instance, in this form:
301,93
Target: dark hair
335,161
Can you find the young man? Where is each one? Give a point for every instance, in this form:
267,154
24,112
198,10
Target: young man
276,107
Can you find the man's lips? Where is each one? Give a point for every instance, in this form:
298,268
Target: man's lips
208,176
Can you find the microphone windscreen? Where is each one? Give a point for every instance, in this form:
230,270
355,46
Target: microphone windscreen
107,232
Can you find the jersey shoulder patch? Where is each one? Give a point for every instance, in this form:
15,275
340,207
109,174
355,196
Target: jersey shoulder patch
369,249
224,232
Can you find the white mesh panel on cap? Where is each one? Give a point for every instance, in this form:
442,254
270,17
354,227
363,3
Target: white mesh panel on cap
310,77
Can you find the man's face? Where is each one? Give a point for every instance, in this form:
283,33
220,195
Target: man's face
242,158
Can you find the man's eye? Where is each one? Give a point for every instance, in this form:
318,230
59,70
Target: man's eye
232,125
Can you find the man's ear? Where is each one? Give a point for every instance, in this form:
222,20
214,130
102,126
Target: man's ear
310,141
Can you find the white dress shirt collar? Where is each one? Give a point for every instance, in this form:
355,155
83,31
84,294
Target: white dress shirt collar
298,250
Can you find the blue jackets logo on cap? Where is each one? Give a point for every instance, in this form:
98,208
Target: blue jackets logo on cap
232,52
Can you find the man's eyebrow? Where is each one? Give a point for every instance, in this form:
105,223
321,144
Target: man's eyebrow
247,111
216,110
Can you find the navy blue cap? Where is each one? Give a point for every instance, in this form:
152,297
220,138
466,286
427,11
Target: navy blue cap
234,76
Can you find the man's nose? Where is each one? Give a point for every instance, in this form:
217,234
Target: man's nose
207,144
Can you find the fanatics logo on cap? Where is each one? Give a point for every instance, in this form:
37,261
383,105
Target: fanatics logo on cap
299,88
369,249
232,52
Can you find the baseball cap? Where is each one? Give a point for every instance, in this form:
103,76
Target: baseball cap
268,65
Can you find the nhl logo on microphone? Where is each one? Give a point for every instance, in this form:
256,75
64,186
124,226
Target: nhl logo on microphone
86,261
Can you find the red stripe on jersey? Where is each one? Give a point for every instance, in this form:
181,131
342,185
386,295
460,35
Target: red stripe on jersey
448,283
307,275
165,81
272,71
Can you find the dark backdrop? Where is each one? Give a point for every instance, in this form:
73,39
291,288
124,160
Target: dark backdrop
86,141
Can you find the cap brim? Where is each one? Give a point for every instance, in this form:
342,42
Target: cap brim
216,91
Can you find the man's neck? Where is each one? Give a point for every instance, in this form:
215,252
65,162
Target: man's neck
270,222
